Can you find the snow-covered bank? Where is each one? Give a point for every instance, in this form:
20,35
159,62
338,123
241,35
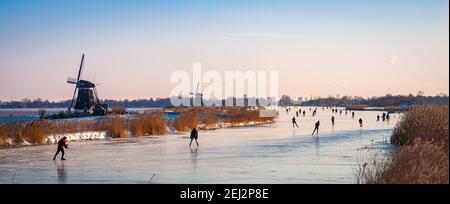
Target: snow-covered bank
54,138
92,135
100,135
226,125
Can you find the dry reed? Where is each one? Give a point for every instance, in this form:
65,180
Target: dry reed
423,149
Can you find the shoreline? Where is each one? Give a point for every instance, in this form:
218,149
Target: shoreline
102,135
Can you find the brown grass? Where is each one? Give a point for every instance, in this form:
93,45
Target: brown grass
118,110
117,127
186,121
191,117
422,156
237,115
4,134
32,132
429,123
35,132
148,123
397,108
210,119
420,163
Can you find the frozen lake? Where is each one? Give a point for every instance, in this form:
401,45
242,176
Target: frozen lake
274,153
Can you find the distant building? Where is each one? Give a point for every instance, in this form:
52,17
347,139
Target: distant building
299,100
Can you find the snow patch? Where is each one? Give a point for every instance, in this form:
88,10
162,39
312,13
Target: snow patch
92,135
226,125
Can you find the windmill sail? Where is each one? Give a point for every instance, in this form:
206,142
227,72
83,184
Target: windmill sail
80,72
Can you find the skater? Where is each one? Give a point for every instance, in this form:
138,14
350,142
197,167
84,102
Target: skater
360,122
294,123
388,117
378,118
316,128
383,117
304,112
353,114
296,113
62,143
332,120
194,136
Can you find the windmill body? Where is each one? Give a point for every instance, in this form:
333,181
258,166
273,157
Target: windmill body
198,97
87,100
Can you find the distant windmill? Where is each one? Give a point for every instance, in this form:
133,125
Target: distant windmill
197,95
87,98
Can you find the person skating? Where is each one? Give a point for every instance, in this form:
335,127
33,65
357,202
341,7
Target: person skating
194,136
62,143
316,128
332,120
378,118
294,123
360,122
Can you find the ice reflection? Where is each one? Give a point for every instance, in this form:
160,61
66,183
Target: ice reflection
61,172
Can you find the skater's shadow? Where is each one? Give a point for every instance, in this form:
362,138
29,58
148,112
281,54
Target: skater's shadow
194,156
61,172
317,146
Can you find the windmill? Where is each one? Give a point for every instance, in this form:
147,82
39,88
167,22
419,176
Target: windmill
197,96
87,99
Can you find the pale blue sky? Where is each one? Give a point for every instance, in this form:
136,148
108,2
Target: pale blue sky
327,47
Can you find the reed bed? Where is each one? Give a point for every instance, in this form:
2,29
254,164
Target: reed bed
193,116
244,115
118,110
429,123
186,121
117,126
422,155
149,123
35,132
397,108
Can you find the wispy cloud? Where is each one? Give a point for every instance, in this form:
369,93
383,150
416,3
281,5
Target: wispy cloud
392,60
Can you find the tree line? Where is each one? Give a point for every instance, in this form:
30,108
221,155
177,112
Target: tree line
285,100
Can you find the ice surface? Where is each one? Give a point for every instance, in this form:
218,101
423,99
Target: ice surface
273,153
